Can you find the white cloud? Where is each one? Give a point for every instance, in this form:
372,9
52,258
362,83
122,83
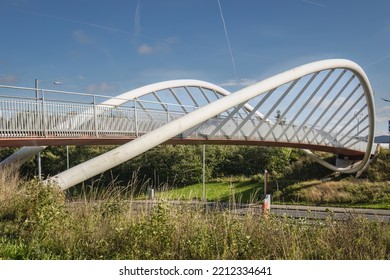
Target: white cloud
270,31
146,49
81,37
158,74
8,79
241,82
101,88
383,114
164,46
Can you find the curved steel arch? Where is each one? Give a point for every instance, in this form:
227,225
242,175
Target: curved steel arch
172,84
162,134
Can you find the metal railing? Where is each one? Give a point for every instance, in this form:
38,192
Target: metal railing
42,113
74,114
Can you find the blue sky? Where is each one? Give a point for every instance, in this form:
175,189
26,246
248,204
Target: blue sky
112,46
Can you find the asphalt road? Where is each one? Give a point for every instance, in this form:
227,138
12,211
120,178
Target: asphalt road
324,212
294,211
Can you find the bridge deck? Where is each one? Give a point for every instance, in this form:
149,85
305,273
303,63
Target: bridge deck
20,142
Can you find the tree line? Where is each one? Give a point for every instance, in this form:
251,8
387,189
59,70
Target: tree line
179,165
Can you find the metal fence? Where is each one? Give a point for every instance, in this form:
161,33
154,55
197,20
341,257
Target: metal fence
72,114
39,113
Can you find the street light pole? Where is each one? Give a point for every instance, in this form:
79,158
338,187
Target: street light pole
387,100
67,157
36,89
358,116
39,163
36,112
389,134
203,173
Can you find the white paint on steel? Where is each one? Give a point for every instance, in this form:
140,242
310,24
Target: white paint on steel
160,135
21,156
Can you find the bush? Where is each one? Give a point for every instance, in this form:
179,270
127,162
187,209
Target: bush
379,169
346,192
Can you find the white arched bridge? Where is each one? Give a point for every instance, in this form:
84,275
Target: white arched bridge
321,106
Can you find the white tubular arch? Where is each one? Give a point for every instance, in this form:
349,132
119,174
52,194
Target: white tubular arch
142,91
162,134
139,92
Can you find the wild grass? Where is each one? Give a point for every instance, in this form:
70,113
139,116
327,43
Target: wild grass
39,222
349,192
242,190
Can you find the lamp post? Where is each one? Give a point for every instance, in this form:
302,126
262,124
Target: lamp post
36,89
36,112
358,117
67,157
387,100
39,163
203,173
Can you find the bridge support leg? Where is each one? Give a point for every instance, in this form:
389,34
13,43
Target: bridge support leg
21,156
343,161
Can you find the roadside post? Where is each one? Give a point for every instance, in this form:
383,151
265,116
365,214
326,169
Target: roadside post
266,203
151,193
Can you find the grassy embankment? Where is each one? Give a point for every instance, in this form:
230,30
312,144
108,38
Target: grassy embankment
373,191
40,222
345,193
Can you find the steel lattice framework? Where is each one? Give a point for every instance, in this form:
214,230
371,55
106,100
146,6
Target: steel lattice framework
325,106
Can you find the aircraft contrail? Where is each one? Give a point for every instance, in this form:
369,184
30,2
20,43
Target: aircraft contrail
379,60
78,21
314,3
117,30
228,41
137,19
